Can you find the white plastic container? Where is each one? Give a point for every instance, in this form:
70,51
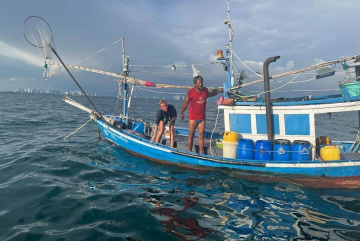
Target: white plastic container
230,149
167,132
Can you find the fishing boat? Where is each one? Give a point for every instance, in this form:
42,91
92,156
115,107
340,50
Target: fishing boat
264,139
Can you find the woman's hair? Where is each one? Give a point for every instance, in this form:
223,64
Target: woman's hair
198,77
162,102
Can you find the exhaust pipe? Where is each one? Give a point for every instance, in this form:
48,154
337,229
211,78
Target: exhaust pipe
269,122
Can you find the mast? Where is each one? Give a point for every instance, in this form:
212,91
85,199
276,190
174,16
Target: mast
125,84
228,65
230,55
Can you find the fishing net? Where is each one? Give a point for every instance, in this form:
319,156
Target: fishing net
38,33
196,72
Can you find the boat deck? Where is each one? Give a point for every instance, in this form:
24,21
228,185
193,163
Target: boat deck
181,143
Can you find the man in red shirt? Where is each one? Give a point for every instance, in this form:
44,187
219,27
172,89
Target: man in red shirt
197,97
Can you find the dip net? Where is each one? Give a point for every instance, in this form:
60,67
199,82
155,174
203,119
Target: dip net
39,34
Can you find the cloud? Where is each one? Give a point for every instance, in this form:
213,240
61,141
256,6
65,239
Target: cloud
14,53
16,79
318,61
212,58
289,66
55,70
272,32
259,7
20,79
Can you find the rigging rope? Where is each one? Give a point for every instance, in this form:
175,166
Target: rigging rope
300,81
98,51
245,64
160,92
314,66
212,133
77,129
279,86
298,90
355,146
119,96
169,66
154,72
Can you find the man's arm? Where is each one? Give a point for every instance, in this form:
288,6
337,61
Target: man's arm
215,92
184,106
172,115
157,121
155,132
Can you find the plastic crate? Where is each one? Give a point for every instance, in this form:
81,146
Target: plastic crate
350,89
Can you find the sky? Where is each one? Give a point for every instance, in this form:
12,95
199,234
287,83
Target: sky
162,33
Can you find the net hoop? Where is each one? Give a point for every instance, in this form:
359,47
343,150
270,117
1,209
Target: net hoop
47,42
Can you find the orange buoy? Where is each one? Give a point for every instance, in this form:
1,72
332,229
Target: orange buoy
220,54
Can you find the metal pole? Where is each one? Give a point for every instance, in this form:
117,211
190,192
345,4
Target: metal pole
72,77
125,85
231,66
269,122
228,70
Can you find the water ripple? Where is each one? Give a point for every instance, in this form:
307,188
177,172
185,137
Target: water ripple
81,227
82,189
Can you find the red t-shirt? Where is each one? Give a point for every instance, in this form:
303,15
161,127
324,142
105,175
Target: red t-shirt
197,103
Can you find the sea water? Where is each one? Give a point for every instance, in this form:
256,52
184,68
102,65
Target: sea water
85,189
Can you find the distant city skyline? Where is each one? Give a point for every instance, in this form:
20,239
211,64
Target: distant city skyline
78,92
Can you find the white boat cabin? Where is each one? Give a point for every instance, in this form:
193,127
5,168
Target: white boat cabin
291,122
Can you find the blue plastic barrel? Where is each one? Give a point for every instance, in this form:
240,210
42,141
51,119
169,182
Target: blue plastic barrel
139,127
245,149
263,150
282,150
301,150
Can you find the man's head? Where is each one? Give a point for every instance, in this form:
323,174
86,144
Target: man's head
163,105
198,82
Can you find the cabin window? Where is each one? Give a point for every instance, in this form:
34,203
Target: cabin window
262,126
240,123
297,124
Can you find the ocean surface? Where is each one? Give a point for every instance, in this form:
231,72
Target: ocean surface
85,189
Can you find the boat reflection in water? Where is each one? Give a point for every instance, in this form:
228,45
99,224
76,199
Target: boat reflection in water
176,221
236,216
215,206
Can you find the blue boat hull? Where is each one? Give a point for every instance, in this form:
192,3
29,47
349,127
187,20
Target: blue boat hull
337,174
